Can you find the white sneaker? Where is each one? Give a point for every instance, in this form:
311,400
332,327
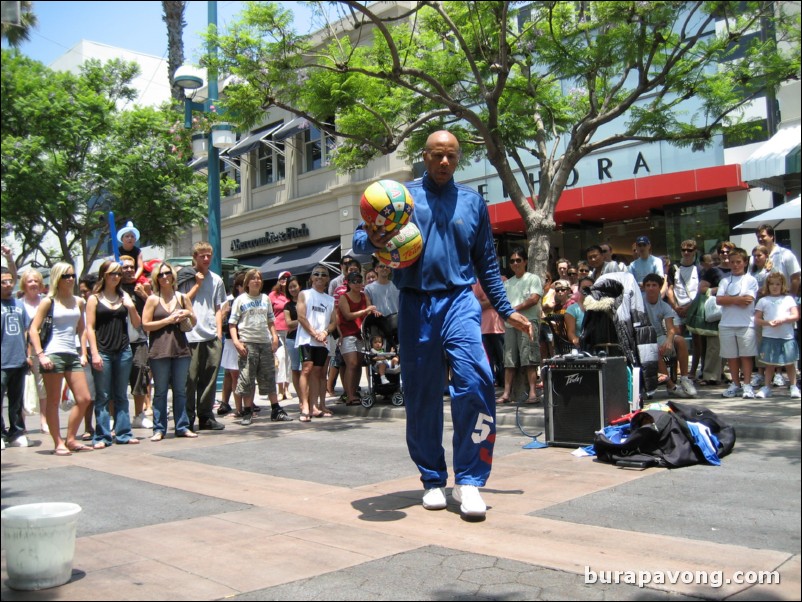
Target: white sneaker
794,391
21,441
757,380
141,421
687,386
748,392
764,393
384,380
435,498
675,392
779,381
470,500
732,391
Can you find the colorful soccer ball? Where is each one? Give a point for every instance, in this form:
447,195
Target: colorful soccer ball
386,204
403,249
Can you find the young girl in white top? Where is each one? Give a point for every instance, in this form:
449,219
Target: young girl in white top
776,312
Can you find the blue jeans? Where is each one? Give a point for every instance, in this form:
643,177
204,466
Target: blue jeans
170,373
12,383
111,384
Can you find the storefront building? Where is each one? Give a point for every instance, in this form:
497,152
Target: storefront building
293,210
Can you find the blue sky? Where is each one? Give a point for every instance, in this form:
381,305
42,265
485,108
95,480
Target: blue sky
132,25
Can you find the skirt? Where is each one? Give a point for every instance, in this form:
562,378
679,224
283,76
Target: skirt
778,352
230,359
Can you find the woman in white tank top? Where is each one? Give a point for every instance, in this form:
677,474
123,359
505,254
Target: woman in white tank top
60,359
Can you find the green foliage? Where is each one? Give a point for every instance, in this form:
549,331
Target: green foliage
550,80
69,156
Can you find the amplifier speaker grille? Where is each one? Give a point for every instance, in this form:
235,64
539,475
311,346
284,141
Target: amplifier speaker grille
582,396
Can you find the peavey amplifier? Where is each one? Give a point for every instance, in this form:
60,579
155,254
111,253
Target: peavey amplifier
582,395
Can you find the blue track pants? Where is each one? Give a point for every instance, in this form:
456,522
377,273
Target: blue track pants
436,330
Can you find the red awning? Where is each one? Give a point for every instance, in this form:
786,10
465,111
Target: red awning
628,199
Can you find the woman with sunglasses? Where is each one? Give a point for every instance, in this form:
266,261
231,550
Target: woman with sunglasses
291,319
169,352
316,321
61,359
352,308
108,310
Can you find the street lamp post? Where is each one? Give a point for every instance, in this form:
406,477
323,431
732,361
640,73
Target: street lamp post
187,80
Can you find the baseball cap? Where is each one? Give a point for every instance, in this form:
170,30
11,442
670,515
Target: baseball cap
642,240
354,277
283,274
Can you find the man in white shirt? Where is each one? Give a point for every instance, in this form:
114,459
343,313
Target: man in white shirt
783,260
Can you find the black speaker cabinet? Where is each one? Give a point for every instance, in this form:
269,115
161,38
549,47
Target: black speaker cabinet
582,395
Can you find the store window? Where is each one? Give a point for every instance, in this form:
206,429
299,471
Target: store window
270,163
707,222
317,149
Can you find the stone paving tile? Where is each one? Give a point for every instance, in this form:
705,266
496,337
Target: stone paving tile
714,490
438,573
109,502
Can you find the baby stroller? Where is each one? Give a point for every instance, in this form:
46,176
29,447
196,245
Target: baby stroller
385,327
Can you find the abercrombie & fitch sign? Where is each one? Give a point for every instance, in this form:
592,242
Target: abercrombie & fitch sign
270,238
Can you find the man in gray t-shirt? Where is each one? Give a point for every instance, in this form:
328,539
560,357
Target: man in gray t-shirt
383,293
671,344
207,293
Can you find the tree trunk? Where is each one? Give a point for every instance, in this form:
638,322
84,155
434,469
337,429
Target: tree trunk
174,18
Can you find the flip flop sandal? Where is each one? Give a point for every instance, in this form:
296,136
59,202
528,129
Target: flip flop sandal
62,452
305,417
81,448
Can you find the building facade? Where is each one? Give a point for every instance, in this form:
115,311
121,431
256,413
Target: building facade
293,210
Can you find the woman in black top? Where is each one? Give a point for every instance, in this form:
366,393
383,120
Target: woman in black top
291,318
107,313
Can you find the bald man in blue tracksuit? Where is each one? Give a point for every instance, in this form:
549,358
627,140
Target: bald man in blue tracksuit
439,321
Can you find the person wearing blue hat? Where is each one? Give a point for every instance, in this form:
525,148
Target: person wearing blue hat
646,263
128,238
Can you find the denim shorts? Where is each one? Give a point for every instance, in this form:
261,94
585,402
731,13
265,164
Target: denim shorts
63,362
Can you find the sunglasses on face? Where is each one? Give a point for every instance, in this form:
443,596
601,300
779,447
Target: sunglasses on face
688,250
68,277
572,273
165,274
319,275
584,271
561,290
517,260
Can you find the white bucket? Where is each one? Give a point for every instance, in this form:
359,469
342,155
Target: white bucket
40,544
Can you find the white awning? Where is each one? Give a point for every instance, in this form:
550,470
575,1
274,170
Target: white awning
777,156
